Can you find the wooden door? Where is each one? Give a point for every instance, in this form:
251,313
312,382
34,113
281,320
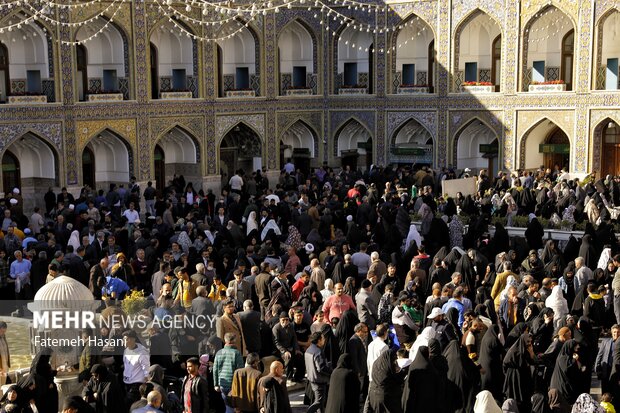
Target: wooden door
610,162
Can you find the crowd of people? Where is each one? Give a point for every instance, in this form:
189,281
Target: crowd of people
327,282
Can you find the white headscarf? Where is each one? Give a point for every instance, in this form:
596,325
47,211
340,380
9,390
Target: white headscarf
511,281
485,403
604,258
413,235
74,240
251,224
557,303
271,224
422,340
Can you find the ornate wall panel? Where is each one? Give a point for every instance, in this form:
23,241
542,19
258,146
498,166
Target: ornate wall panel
224,123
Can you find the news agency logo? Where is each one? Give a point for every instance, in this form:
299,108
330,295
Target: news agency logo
59,319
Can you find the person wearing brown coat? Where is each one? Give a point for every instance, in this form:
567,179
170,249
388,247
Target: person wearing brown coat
243,393
230,322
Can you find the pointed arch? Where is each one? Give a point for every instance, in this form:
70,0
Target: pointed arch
176,152
113,157
359,133
544,44
176,57
239,52
411,45
412,142
240,147
239,124
606,47
297,48
355,48
466,152
179,145
302,142
606,146
31,49
530,155
108,65
473,58
38,157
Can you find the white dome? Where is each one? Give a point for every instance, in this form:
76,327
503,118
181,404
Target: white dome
64,288
63,292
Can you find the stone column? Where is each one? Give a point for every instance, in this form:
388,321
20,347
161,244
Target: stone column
67,386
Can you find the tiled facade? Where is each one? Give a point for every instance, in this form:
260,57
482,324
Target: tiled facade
67,125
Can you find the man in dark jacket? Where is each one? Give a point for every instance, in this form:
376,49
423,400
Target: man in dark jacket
358,350
156,378
251,326
195,390
318,369
604,358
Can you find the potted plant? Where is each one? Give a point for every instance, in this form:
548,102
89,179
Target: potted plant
477,87
548,86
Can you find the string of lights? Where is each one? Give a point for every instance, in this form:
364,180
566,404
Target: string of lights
182,14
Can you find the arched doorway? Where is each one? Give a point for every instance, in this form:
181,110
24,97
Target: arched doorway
111,156
30,164
88,167
545,144
354,145
477,147
5,81
159,157
412,144
10,172
298,143
556,149
610,162
177,153
241,148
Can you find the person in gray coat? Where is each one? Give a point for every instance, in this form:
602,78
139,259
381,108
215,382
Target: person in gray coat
605,358
318,369
366,306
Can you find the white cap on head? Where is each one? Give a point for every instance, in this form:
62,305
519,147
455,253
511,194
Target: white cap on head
71,206
309,248
467,170
435,313
16,190
13,201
